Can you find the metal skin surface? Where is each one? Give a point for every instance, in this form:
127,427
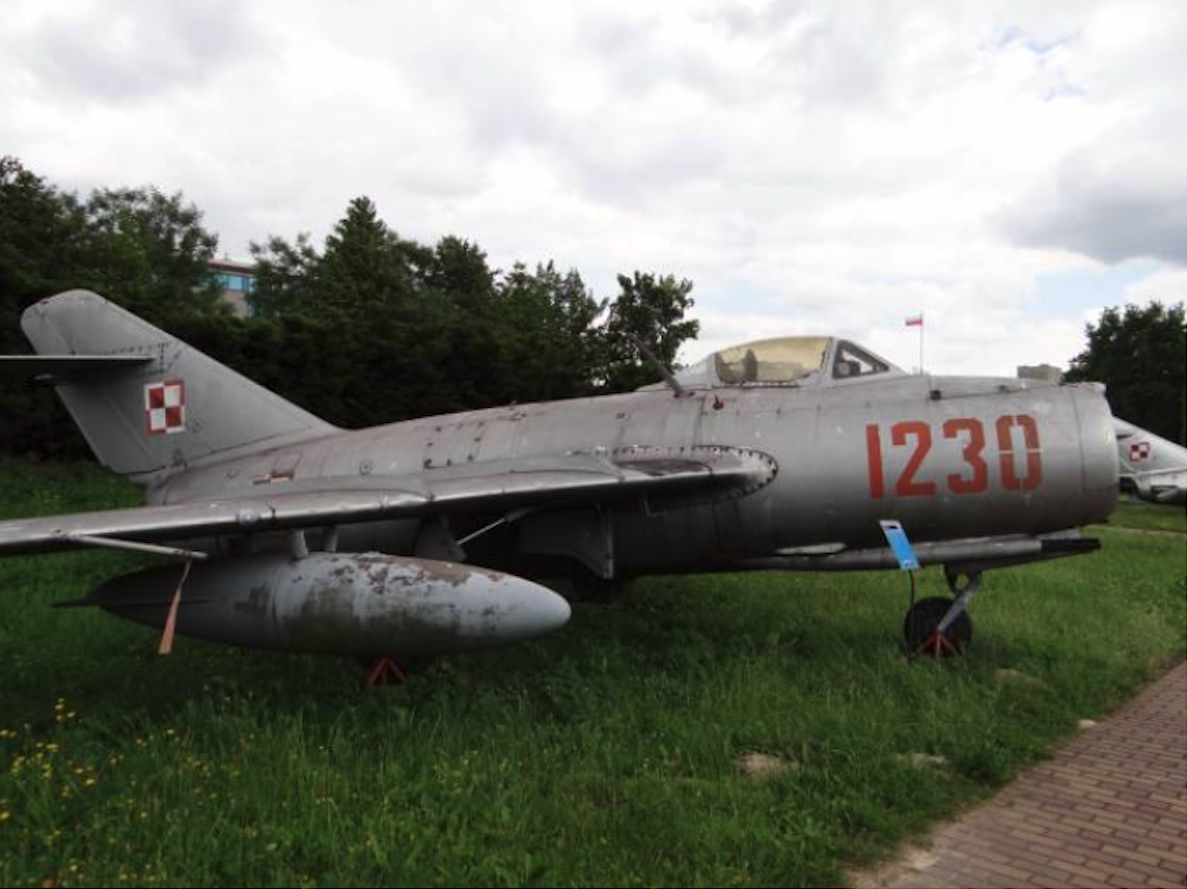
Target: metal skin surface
357,604
982,472
816,436
1152,467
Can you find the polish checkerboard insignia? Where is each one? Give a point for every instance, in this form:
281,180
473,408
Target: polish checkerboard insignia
164,407
1139,451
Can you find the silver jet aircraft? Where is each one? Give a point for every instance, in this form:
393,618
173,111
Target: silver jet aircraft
417,537
1152,467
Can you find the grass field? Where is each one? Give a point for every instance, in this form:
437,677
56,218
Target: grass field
1132,513
604,755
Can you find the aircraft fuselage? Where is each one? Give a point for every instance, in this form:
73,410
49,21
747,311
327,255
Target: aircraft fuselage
950,457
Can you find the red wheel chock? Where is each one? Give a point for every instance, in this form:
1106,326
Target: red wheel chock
385,672
937,645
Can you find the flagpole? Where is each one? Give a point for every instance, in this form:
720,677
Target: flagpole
917,321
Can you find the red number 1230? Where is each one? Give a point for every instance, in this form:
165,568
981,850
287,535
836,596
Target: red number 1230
970,433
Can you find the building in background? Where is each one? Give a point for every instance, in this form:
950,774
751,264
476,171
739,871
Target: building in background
237,280
1046,372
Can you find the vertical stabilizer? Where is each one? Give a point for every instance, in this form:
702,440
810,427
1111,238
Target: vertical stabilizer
176,407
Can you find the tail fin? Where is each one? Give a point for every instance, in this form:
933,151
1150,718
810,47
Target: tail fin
172,406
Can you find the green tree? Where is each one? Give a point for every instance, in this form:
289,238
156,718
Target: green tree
549,346
138,247
1140,354
459,270
43,239
366,268
455,340
150,253
651,308
43,250
286,276
387,314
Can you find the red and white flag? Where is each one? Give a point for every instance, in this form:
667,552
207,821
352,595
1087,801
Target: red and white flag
915,321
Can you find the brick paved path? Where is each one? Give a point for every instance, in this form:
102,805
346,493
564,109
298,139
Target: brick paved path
1110,809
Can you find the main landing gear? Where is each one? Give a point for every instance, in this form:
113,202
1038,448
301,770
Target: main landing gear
588,587
938,627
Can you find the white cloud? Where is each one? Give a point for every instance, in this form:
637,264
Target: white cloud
1168,286
1114,200
811,166
115,53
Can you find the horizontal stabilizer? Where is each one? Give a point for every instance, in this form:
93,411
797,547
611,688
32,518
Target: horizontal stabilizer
67,366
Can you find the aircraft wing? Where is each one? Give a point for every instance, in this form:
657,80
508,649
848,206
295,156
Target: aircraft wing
474,487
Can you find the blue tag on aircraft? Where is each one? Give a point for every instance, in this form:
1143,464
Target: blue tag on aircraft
899,544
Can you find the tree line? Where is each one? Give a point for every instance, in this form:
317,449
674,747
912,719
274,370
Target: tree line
1140,354
369,328
373,327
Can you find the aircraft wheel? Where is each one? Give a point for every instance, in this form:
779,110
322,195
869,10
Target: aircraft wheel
921,629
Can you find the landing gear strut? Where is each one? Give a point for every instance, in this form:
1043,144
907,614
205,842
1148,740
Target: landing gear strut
939,627
588,587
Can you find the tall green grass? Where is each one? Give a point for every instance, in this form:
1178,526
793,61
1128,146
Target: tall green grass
1133,513
604,755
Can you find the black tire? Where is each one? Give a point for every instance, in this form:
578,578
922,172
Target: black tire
923,619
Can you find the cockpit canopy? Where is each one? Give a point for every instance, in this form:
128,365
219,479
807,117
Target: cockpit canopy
785,361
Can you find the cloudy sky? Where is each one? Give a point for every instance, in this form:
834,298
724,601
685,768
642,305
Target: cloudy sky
1006,168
